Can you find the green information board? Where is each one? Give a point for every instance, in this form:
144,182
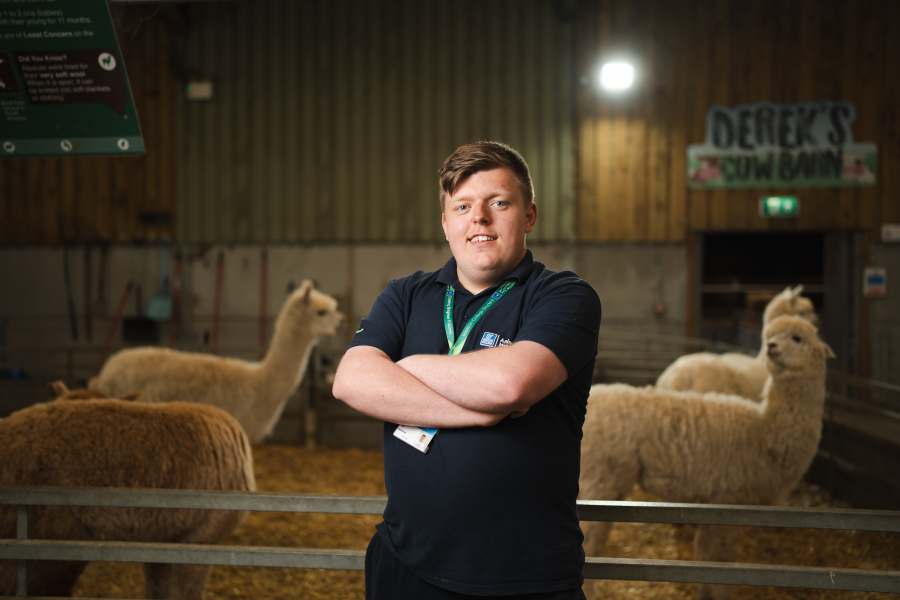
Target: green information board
63,87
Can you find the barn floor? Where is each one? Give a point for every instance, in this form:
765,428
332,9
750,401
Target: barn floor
350,471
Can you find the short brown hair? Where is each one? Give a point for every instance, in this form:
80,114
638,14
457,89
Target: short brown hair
484,156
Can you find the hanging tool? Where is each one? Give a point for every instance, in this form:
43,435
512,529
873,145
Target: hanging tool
69,299
114,326
160,306
263,289
217,303
176,297
88,323
139,329
101,307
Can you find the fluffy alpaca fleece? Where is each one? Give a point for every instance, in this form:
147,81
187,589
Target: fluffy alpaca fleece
252,392
114,443
708,448
734,373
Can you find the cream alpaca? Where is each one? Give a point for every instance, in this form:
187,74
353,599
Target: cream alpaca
709,448
114,443
734,373
254,393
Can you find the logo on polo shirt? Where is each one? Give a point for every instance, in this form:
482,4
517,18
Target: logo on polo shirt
489,339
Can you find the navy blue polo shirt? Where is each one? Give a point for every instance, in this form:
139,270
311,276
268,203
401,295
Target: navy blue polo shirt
491,510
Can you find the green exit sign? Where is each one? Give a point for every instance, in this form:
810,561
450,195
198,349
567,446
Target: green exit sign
779,206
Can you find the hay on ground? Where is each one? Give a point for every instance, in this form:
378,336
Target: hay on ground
350,471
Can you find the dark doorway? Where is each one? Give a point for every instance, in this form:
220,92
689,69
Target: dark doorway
741,272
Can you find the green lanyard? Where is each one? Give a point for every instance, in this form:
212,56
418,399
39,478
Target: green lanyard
456,347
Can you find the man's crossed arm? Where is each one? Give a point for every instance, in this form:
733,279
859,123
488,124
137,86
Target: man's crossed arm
433,390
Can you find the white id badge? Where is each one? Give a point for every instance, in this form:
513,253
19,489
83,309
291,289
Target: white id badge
417,437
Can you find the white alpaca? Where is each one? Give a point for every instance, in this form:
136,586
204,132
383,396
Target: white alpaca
708,448
253,393
734,373
113,443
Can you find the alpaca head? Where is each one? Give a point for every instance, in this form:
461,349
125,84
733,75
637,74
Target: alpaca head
792,347
790,302
312,310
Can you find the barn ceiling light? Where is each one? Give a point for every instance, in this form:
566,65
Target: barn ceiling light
615,76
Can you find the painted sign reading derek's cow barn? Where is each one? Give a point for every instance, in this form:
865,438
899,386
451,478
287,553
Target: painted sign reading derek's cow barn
781,145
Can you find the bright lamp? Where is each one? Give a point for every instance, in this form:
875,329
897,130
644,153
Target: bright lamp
615,76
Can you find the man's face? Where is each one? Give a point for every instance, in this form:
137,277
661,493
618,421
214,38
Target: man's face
485,221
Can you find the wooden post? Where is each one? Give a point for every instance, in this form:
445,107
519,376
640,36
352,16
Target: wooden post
689,280
263,300
217,303
864,353
21,565
88,325
348,302
310,425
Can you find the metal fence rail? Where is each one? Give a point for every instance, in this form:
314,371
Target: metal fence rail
23,549
639,358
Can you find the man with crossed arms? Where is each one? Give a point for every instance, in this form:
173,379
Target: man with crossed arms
496,352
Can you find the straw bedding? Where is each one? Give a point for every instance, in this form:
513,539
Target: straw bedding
351,471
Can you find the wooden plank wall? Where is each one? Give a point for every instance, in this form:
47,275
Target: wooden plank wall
331,118
88,199
695,53
630,152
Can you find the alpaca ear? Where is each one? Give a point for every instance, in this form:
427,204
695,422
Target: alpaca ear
59,388
797,290
829,353
306,287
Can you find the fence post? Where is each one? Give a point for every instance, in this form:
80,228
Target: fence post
310,424
22,565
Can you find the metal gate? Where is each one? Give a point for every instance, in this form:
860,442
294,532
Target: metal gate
23,549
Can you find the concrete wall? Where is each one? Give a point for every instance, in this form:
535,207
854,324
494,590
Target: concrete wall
34,313
628,278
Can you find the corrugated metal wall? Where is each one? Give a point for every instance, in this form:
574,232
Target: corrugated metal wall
331,118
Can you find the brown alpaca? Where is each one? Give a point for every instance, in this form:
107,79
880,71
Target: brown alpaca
708,448
112,443
734,373
253,393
